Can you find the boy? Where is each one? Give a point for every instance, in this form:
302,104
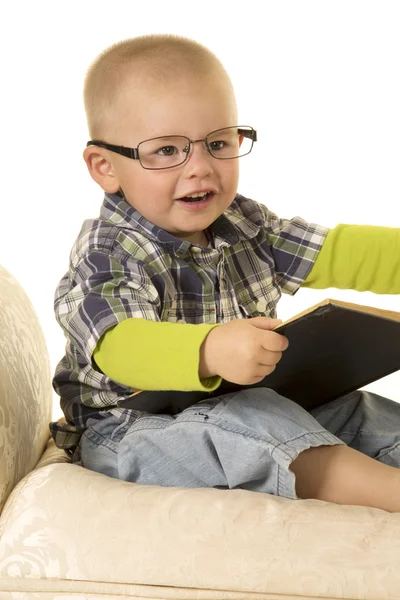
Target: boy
175,287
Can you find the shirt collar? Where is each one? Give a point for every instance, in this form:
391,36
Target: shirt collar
232,226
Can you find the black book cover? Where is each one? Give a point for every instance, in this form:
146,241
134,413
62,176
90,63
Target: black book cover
334,348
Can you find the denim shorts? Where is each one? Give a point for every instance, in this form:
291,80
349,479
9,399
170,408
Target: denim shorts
245,439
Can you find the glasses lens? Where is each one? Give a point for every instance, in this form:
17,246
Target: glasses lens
163,152
230,142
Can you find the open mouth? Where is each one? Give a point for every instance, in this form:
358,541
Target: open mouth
196,198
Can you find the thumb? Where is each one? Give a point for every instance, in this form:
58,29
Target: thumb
265,322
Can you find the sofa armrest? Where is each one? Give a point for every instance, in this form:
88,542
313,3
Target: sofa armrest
25,386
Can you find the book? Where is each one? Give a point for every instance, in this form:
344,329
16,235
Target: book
335,347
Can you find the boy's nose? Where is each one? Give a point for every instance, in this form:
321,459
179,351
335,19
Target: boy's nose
199,159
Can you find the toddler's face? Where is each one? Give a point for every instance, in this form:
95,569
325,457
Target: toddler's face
192,109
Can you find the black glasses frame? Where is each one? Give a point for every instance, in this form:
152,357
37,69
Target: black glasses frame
134,153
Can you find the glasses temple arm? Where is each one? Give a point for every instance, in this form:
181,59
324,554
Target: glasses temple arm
252,134
128,152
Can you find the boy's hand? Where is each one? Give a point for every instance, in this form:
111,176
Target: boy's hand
242,351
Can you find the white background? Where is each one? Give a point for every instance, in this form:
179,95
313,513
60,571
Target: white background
319,80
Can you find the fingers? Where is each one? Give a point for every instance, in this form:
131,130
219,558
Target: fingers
271,341
265,322
270,359
274,342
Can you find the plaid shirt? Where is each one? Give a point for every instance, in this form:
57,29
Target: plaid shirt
122,266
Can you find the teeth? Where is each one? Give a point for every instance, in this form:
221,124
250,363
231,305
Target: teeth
200,195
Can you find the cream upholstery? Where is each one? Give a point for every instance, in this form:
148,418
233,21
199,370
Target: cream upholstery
25,386
67,533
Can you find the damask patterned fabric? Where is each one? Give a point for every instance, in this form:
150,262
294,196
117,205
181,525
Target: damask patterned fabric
25,386
191,543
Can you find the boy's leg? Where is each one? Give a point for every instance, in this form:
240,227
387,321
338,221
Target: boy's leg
254,439
370,425
345,476
366,422
246,439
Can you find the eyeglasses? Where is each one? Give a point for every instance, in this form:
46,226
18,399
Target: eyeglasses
173,150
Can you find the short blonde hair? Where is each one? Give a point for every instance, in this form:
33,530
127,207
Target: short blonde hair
152,58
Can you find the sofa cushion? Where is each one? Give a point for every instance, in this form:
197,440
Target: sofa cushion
67,523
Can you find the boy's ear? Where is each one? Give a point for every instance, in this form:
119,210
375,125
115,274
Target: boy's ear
101,169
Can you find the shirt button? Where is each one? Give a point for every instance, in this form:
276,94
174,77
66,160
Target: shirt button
261,306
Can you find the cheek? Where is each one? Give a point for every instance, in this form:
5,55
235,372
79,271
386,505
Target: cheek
157,181
230,175
130,177
157,189
142,183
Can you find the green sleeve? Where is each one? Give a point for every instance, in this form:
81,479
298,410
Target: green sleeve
358,257
152,355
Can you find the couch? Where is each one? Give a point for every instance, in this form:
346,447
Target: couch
67,533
